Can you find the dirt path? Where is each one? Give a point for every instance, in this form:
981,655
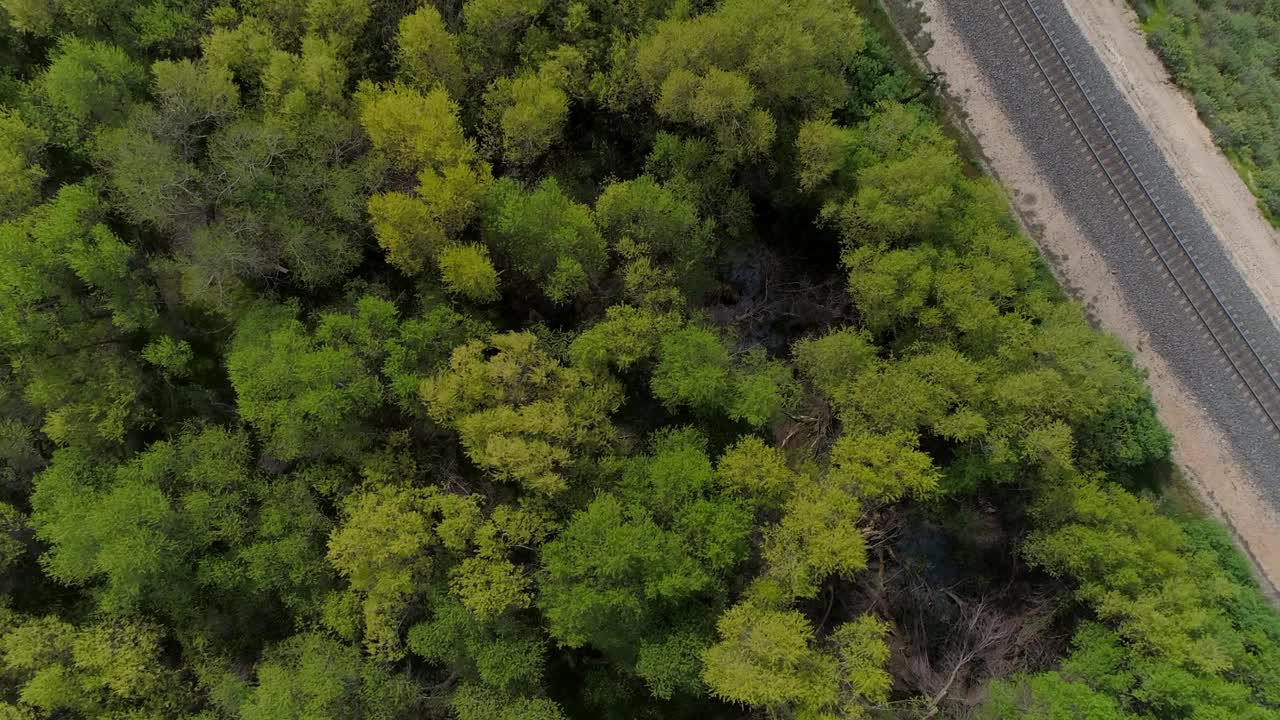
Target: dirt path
1200,448
1252,243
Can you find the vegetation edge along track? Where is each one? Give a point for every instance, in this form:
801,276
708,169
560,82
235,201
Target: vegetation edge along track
1168,247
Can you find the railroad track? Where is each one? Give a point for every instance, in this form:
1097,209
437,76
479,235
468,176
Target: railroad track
1255,377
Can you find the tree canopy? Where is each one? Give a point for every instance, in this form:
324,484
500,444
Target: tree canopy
544,360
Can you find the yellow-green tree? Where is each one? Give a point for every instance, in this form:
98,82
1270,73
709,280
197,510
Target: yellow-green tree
385,549
419,133
769,659
519,413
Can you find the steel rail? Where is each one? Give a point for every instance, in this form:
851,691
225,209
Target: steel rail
1257,393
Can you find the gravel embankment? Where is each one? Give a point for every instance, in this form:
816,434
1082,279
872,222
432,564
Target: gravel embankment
1174,332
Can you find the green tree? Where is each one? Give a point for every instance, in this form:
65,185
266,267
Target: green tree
488,583
311,675
63,250
661,223
340,22
762,389
493,32
736,72
109,667
499,655
69,298
119,533
422,347
1047,696
519,413
475,703
545,236
769,659
173,357
882,467
863,653
467,271
721,103
489,586
530,109
421,134
306,397
636,573
1179,632
823,149
149,179
816,536
427,54
184,518
829,362
315,79
87,84
628,335
907,174
693,370
611,573
36,18
756,471
407,229
384,549
21,149
751,37
243,45
672,665
413,130
284,554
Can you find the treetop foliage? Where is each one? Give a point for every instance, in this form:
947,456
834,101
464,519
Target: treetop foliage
1224,55
539,360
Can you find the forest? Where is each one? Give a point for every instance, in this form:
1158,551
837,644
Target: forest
1226,56
560,359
